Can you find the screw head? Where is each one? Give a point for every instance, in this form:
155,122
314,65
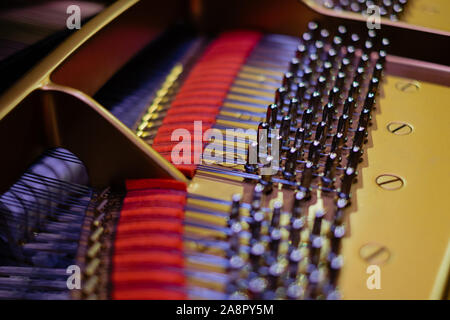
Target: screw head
399,128
389,182
408,86
374,253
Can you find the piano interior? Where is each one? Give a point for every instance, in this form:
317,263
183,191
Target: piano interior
200,149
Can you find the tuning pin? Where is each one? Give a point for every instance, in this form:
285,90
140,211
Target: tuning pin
328,66
343,123
290,164
275,271
234,238
317,226
299,198
257,288
275,239
285,129
256,252
256,198
322,133
294,292
276,214
271,115
313,60
266,176
313,284
340,80
328,113
341,203
301,89
328,175
307,176
334,267
314,250
295,231
370,101
299,141
355,155
321,84
313,27
334,96
358,140
255,225
349,106
347,181
235,207
337,233
293,110
307,119
342,32
337,142
307,73
301,52
364,118
374,82
295,256
315,102
251,165
314,152
288,80
354,90
261,138
280,96
294,66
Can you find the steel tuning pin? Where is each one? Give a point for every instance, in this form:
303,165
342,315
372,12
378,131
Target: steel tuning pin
235,207
272,115
255,225
334,96
337,142
337,233
364,117
285,130
262,136
360,134
341,204
257,287
343,123
307,74
274,244
251,165
347,181
312,287
256,253
354,157
321,84
295,256
315,102
294,292
314,249
256,197
234,238
307,176
307,120
280,96
294,66
274,274
266,175
299,142
317,225
329,171
349,106
288,80
293,110
295,230
328,113
335,264
314,152
299,199
276,214
291,164
301,89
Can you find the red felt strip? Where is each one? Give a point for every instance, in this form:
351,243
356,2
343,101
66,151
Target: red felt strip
148,247
203,92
